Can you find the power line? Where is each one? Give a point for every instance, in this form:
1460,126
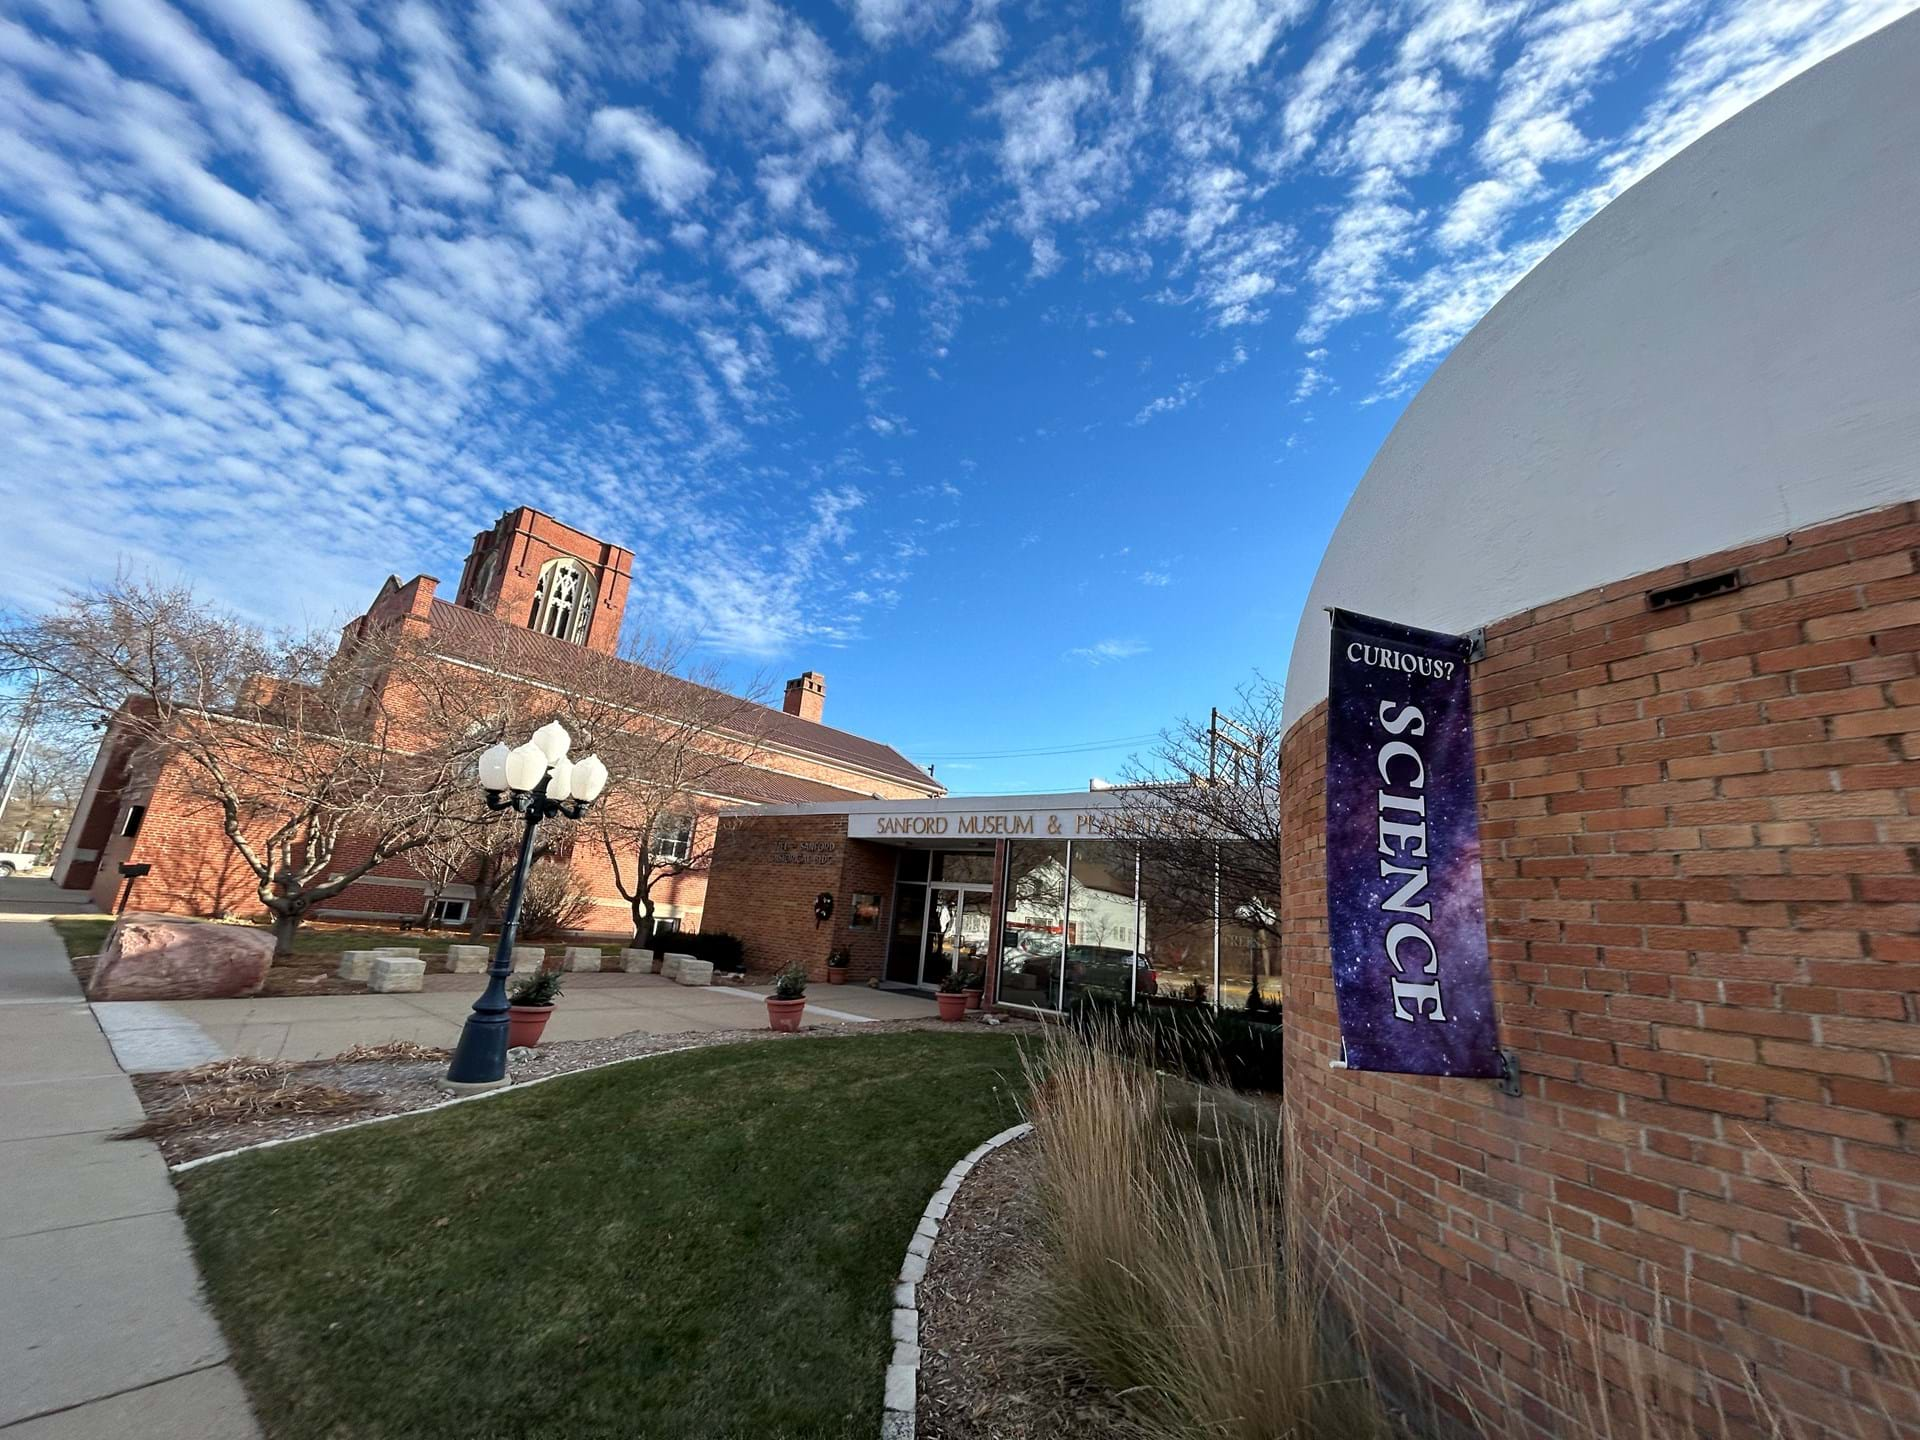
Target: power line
1079,748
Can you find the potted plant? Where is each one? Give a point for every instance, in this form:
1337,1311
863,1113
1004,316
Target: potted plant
974,985
952,998
837,963
530,1006
789,998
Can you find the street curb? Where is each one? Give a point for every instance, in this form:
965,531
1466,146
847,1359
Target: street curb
901,1399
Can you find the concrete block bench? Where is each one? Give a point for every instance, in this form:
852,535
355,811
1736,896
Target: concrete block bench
357,965
467,959
395,974
670,966
692,972
580,957
636,962
528,957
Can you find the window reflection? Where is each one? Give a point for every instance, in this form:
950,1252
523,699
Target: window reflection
1032,935
1176,909
1100,920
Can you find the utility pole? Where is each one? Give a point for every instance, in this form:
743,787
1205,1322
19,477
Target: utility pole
1240,744
22,735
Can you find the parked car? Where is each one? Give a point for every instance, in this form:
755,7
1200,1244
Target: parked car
12,861
1109,969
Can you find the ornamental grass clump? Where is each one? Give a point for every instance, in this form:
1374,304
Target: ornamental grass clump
1171,1265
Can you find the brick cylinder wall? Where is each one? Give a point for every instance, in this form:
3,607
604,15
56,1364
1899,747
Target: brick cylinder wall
1700,830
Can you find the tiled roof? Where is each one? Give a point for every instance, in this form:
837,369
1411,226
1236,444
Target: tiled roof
754,786
475,636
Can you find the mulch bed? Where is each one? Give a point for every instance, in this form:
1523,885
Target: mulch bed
979,1379
230,1103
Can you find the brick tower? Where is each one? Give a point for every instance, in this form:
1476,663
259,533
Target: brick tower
530,570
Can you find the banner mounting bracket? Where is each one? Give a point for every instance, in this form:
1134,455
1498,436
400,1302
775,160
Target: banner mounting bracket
1476,644
1509,1078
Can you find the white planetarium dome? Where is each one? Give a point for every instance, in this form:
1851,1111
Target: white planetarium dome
1728,351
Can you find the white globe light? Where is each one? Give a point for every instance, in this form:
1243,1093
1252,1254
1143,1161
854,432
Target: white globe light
525,766
553,740
589,779
560,779
492,767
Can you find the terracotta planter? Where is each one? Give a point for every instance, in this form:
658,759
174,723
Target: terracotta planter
525,1022
973,998
784,1015
952,1006
836,975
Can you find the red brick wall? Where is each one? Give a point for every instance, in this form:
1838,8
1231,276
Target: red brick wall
195,868
767,871
1701,829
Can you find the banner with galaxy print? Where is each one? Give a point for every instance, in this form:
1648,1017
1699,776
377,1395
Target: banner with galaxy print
1406,917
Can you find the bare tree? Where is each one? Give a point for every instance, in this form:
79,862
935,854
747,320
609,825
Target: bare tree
478,851
46,788
1207,801
323,759
673,739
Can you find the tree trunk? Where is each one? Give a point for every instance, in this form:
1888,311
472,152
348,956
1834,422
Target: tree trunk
286,925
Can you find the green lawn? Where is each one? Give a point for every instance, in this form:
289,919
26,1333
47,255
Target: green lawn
86,934
701,1246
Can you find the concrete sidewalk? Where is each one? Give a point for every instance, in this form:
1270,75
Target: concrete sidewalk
103,1334
173,1034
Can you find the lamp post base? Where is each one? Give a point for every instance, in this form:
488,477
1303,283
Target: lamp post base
471,1087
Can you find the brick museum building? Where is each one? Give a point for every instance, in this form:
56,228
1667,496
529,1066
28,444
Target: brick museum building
532,590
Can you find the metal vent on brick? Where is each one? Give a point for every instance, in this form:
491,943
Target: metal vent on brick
1688,591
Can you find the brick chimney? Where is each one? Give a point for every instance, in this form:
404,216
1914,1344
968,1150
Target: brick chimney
806,696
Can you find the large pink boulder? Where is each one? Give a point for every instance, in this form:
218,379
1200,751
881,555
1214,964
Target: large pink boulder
163,957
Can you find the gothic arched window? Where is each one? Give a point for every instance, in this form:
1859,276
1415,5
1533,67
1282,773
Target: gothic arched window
563,603
483,579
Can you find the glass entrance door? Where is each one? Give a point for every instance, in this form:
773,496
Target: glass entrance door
957,922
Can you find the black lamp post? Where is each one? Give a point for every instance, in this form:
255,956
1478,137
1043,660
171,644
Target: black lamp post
538,781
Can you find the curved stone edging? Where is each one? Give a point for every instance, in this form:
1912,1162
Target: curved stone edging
512,1089
902,1399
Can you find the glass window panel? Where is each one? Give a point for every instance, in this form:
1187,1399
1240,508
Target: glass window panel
1176,922
1100,919
903,947
974,932
1249,938
913,864
943,935
964,869
865,914
1031,936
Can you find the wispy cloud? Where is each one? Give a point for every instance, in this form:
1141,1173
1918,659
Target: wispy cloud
1106,652
713,279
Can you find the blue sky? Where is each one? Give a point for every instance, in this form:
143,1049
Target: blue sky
1008,363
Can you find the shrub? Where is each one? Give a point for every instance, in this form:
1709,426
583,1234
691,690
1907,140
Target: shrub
1170,1259
790,983
840,959
540,988
721,950
553,906
1240,1047
953,983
